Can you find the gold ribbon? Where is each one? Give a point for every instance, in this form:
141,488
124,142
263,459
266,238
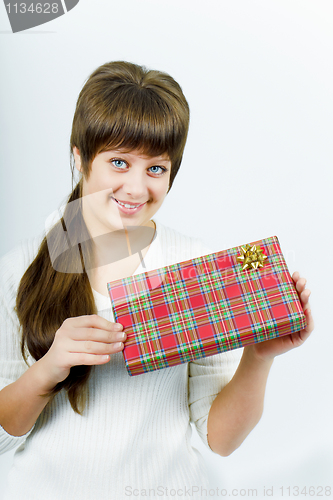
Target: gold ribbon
251,257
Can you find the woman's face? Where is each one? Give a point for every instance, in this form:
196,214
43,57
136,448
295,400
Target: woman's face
131,178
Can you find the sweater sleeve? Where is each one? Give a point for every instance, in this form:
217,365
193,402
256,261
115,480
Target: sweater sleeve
207,377
12,364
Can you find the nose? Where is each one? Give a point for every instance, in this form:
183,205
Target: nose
135,184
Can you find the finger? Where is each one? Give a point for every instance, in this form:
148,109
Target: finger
88,359
304,297
299,337
94,321
95,348
306,332
300,284
96,335
310,323
296,276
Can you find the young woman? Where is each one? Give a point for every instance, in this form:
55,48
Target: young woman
85,429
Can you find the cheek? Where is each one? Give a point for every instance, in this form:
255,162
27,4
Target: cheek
98,184
161,196
162,190
96,194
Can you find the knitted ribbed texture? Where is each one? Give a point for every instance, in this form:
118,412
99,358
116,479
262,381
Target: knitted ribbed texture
135,434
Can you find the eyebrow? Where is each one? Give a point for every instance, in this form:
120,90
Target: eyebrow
156,158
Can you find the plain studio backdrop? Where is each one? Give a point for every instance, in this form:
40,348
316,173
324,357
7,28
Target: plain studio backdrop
258,162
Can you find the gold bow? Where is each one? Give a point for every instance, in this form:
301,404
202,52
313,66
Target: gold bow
251,257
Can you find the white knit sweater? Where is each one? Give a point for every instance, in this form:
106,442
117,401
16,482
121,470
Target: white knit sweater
134,439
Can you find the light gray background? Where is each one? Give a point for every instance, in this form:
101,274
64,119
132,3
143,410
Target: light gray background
258,78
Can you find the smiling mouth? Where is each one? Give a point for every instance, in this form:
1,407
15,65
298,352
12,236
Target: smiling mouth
129,206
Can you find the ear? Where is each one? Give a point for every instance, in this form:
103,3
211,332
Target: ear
77,158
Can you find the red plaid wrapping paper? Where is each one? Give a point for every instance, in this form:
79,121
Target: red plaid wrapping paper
204,306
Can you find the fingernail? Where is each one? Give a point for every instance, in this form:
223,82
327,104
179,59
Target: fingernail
118,345
118,326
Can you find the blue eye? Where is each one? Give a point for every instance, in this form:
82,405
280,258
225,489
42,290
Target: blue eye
122,164
162,168
118,163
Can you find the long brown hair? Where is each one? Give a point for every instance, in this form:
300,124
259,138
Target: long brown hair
122,105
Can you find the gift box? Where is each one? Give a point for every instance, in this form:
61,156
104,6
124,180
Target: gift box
206,305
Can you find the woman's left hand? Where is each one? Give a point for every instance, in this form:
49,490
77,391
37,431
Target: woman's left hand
268,349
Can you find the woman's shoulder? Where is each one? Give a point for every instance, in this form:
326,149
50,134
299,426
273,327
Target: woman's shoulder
15,262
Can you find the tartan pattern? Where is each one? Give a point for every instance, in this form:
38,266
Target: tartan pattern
204,306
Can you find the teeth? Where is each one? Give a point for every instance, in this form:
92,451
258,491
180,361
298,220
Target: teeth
127,206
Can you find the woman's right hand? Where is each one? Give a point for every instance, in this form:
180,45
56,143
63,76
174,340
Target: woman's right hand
83,340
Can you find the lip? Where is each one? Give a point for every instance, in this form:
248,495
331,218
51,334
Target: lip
128,211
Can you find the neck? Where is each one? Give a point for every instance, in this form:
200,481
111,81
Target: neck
112,247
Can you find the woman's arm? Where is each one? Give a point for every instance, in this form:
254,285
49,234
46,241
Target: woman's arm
22,402
82,340
238,407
